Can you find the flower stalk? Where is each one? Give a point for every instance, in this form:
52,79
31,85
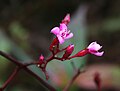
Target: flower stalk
62,33
16,62
15,72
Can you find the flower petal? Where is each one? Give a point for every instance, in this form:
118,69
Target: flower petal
63,27
61,40
69,36
98,53
55,30
94,46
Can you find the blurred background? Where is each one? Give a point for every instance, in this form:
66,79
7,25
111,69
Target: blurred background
25,34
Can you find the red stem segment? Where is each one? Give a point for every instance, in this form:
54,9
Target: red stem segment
21,65
10,78
99,88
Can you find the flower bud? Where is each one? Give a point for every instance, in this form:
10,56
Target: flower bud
66,20
53,44
41,60
68,51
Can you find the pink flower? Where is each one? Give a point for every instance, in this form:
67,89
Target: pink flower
93,48
62,33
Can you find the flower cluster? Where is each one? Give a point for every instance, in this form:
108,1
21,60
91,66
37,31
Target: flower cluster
62,33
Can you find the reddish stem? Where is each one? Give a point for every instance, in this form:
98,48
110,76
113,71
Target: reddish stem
67,87
45,84
99,88
10,78
97,80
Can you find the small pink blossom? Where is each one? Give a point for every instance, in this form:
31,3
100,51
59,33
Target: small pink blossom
93,48
62,33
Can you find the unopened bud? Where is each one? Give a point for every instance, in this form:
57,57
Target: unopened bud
66,20
41,60
41,57
68,51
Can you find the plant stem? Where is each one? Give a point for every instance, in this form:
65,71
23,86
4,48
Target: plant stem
99,87
73,66
10,78
67,87
45,84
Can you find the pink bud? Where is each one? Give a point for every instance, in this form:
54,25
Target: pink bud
68,51
66,20
41,63
41,59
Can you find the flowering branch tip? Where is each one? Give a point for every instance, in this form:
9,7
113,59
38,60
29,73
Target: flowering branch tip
94,48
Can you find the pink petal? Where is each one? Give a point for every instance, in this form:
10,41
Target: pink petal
94,46
69,36
97,46
99,53
55,30
61,40
91,45
63,27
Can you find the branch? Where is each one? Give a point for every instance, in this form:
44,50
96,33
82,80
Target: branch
73,66
67,87
45,84
77,73
10,78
